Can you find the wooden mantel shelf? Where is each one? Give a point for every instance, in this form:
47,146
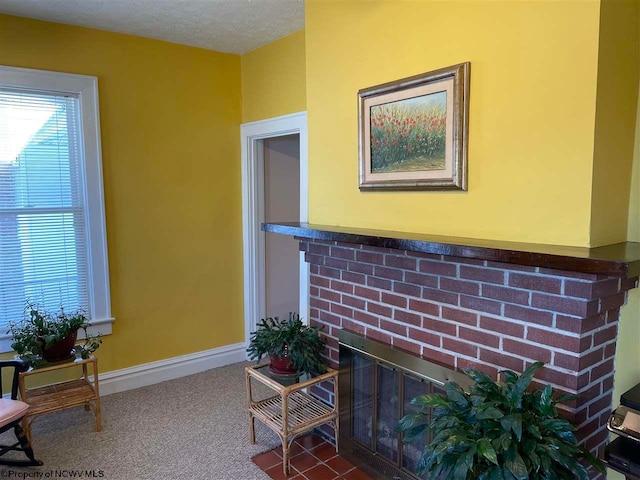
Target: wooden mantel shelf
618,260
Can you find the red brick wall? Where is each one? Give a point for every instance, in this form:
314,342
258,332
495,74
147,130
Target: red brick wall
472,313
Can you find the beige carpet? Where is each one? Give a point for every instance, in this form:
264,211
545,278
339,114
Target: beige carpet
194,427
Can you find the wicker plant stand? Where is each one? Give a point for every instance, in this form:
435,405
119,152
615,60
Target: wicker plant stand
291,411
58,396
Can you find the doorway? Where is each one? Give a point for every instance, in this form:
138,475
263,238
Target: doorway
281,203
274,189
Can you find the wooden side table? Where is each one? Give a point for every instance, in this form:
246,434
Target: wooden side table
291,411
58,396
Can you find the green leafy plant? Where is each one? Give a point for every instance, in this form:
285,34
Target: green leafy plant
290,338
40,329
496,431
91,343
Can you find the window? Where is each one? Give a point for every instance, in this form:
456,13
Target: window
52,229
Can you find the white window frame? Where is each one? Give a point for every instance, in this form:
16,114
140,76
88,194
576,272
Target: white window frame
86,88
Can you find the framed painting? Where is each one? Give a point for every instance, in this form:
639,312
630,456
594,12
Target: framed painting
413,132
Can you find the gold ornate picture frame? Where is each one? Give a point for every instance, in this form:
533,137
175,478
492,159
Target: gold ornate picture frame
413,132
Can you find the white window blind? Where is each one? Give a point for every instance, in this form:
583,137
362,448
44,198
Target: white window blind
53,245
43,255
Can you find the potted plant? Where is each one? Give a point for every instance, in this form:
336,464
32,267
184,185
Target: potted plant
42,336
496,430
292,346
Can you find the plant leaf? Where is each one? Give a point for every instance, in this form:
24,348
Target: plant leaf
510,377
560,458
525,379
413,434
504,442
431,400
421,466
513,422
456,394
522,383
567,397
487,451
489,413
557,425
535,461
596,462
513,461
507,474
463,465
478,377
411,420
495,474
545,400
456,441
534,430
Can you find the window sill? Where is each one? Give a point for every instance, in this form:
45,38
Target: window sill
103,327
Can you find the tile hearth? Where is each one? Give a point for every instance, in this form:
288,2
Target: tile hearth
312,458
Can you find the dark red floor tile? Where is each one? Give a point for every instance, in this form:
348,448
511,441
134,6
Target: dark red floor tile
266,460
324,451
340,464
304,461
295,449
320,463
320,472
356,474
310,441
276,473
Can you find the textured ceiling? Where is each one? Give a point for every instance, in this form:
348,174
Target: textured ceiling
231,26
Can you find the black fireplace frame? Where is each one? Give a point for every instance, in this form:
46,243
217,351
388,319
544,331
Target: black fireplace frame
376,465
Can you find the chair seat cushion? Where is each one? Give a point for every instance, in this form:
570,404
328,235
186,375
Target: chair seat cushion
11,410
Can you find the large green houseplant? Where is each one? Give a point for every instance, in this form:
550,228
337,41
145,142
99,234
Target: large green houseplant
292,346
42,336
496,431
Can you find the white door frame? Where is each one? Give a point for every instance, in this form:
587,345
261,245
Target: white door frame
252,136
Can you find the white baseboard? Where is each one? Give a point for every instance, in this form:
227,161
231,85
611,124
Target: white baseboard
155,372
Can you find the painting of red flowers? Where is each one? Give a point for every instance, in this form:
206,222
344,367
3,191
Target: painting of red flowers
409,135
413,132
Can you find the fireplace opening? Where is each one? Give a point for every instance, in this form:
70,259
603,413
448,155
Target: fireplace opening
377,383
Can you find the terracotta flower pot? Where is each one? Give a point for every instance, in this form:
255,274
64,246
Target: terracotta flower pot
61,350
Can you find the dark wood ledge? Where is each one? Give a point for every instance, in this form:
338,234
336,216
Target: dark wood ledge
619,260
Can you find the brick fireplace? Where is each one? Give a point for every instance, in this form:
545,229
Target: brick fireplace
464,308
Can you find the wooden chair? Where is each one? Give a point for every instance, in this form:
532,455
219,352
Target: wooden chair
11,413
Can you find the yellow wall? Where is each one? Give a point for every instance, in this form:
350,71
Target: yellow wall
532,113
273,79
170,119
618,69
531,148
627,353
537,152
633,234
